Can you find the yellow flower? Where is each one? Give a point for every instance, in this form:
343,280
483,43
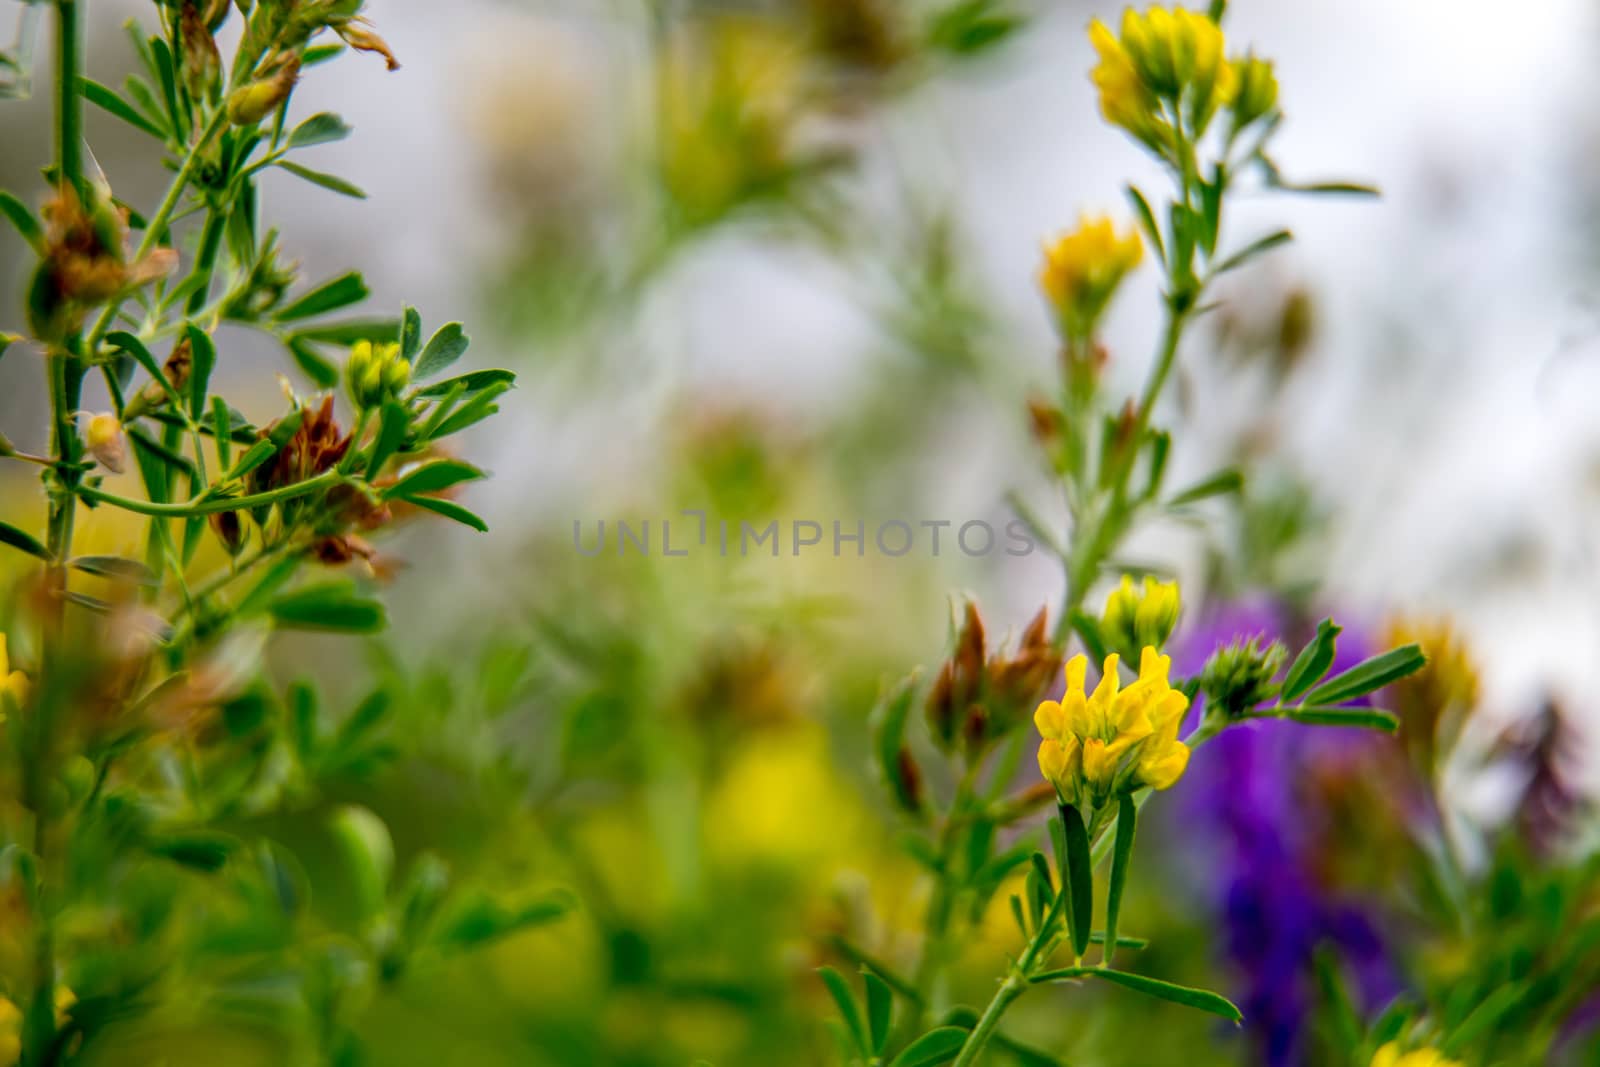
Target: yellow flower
1135,618
1176,56
13,684
1391,1056
1082,270
10,1033
1436,701
1114,739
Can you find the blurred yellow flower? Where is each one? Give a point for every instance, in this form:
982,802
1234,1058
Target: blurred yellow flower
13,684
10,1033
1137,617
1115,739
1258,90
1082,270
375,373
1391,1056
1174,56
1434,702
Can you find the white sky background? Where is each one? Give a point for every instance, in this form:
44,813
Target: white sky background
1451,417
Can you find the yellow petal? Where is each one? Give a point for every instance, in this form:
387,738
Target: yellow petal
1050,719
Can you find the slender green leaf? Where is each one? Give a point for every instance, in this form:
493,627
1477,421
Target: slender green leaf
1369,676
1078,878
849,1011
1121,858
889,730
350,331
348,288
1254,249
116,568
1227,481
432,477
20,217
1342,715
203,356
880,1011
477,380
449,510
107,99
22,540
932,1048
393,421
330,606
1147,221
1199,999
327,181
1313,661
253,457
322,372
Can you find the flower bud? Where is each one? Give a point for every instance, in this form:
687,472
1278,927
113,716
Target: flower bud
249,104
106,443
1138,618
1239,676
362,39
1257,93
375,373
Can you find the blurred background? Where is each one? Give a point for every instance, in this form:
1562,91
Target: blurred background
776,260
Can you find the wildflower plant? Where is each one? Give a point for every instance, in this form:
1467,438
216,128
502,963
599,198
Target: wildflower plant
1168,79
134,724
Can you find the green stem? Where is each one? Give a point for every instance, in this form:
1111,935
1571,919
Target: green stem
1009,990
66,382
205,505
157,225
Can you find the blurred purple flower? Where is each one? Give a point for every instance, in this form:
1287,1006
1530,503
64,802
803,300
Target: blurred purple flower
1241,806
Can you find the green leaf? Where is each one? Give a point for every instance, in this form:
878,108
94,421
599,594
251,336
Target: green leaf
348,332
368,852
1226,481
1088,630
106,98
322,372
200,850
253,457
116,568
203,354
327,181
330,606
932,1048
969,27
880,1010
23,541
1147,220
320,53
1121,857
1342,715
20,217
393,421
471,383
474,411
322,128
410,333
1078,878
889,730
444,348
848,1009
432,477
222,431
1199,999
449,510
481,919
1369,675
1313,661
346,289
1254,249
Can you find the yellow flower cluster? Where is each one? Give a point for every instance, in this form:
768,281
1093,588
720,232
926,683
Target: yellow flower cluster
1114,739
375,373
1169,65
1391,1056
1136,617
1082,270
